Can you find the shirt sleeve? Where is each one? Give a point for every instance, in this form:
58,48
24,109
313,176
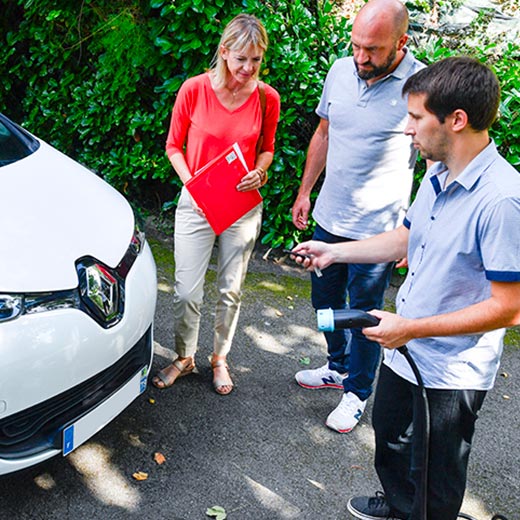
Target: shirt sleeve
322,109
180,119
500,241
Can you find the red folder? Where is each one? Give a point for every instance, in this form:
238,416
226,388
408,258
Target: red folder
214,189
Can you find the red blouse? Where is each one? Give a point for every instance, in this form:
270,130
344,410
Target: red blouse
201,127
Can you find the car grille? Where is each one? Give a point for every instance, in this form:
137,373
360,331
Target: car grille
40,427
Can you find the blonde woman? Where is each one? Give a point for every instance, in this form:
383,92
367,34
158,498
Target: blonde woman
212,111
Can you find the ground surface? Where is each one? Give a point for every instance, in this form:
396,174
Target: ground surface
262,453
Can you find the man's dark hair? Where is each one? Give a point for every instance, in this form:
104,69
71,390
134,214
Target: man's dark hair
458,83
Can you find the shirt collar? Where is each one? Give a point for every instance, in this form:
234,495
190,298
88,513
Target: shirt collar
471,174
402,70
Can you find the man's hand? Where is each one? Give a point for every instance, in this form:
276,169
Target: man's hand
392,331
300,212
402,263
319,254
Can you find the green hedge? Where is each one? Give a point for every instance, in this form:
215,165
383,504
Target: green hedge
98,79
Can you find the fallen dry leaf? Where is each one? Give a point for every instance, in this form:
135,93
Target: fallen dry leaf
140,475
159,458
135,440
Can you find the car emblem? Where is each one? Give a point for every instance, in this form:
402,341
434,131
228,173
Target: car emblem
102,290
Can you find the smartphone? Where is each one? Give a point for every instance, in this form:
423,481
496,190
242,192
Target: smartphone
317,270
289,252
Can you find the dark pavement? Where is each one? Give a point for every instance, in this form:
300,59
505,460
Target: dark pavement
261,453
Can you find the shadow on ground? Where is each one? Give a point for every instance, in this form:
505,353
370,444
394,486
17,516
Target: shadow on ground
261,453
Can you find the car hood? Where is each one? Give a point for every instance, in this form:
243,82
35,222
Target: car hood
52,212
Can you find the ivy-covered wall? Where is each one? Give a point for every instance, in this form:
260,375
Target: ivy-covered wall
98,79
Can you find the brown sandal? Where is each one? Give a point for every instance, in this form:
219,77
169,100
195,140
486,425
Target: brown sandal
180,367
222,385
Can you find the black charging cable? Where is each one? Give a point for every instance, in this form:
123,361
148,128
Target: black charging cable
330,320
424,419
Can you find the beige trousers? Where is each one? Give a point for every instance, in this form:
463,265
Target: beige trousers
194,241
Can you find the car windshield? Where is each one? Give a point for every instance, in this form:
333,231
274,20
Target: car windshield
15,142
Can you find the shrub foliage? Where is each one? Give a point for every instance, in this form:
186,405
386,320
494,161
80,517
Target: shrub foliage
98,79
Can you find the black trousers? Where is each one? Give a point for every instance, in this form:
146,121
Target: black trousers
398,445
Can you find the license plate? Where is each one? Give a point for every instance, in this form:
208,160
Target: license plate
76,434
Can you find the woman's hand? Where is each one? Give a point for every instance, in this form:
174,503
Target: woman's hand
252,181
196,208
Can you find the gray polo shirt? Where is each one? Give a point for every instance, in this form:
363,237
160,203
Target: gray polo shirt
461,238
370,161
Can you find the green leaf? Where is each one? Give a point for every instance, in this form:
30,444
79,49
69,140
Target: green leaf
217,512
53,15
168,205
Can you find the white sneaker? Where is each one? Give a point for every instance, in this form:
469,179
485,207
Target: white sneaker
321,377
347,414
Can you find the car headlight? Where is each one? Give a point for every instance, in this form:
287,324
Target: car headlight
11,306
52,301
101,290
133,251
137,241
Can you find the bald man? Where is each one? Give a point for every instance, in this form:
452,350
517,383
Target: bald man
369,162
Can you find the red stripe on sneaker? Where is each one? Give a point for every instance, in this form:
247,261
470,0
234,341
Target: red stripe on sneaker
338,430
328,385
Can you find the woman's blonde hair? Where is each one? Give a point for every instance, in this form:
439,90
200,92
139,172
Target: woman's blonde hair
241,32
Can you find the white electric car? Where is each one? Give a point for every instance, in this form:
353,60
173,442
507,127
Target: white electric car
77,298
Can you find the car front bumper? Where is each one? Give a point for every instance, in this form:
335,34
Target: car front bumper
60,369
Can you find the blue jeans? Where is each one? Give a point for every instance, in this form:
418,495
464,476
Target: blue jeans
364,285
399,452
